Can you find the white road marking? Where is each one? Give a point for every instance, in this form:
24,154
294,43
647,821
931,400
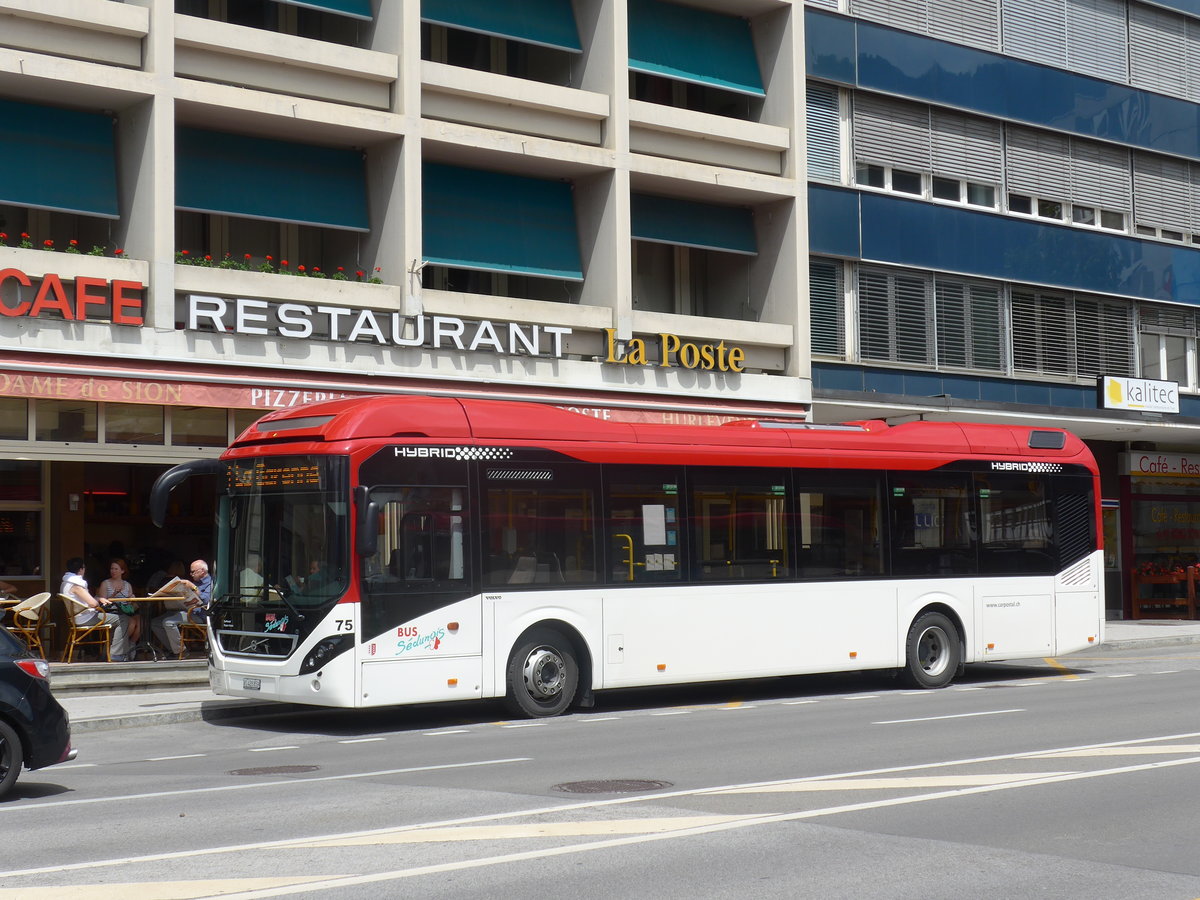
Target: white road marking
270,749
454,731
593,804
993,712
1125,675
325,883
798,702
161,890
1146,750
525,725
290,782
166,758
528,830
861,697
883,784
672,712
599,719
76,766
361,740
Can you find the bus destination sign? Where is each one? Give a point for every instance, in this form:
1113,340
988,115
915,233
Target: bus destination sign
267,474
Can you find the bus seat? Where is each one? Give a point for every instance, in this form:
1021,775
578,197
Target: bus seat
525,570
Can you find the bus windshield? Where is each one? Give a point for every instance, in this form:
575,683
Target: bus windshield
283,533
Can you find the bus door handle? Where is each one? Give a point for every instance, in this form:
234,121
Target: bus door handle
628,560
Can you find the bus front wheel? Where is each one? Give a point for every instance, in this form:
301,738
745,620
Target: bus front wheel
932,652
543,675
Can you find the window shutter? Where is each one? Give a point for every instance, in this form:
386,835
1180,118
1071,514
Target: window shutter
1037,163
824,127
1163,190
827,4
1157,44
1043,333
891,132
1096,38
826,308
911,15
1105,337
1036,30
1162,318
970,332
894,320
967,147
975,23
1100,175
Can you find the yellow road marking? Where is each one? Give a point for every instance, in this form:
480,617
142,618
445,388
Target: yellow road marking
159,890
529,830
1147,750
1067,673
881,784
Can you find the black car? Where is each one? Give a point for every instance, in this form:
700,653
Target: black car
34,728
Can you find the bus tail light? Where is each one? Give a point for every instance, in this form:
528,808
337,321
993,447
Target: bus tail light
991,646
452,626
662,667
854,654
452,682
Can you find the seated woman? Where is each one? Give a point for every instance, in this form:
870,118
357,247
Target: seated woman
74,585
117,587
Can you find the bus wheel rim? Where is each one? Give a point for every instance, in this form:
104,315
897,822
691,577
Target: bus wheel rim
544,673
933,651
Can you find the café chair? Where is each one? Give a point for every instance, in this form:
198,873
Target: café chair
97,634
193,634
28,618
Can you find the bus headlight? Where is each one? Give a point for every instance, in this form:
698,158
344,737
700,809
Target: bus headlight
326,650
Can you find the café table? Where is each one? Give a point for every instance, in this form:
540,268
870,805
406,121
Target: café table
150,611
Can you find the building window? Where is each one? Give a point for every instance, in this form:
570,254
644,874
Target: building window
827,316
282,18
488,53
1167,344
500,284
14,419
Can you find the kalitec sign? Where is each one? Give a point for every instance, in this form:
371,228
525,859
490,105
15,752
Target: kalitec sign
1141,394
45,296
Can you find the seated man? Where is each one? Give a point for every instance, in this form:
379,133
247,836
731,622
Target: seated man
166,626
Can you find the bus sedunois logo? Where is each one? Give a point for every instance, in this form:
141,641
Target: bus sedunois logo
459,454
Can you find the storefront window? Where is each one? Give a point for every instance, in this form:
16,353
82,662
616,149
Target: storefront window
133,423
244,418
13,415
198,426
66,420
20,532
20,479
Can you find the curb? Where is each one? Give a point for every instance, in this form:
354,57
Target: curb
1174,640
208,712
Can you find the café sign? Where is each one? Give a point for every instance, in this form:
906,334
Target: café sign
45,296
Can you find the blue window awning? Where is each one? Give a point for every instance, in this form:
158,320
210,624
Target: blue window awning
260,178
547,23
59,159
355,9
686,223
495,222
693,45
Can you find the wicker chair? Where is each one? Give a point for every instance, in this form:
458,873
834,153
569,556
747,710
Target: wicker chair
194,634
96,634
28,619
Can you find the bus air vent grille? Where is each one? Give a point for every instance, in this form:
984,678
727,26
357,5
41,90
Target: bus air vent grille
1079,575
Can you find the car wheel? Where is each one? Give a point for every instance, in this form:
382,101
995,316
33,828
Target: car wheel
543,675
11,758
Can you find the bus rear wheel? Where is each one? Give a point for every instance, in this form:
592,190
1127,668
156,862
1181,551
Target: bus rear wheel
543,675
932,652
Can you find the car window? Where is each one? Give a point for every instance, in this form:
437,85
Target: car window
9,645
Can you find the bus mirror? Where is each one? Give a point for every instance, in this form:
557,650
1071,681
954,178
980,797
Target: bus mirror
160,493
367,543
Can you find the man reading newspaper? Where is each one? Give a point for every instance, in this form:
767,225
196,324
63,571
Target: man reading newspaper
189,604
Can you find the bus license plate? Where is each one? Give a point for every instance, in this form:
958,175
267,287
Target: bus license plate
251,684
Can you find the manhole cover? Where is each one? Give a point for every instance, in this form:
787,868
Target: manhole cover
612,786
275,770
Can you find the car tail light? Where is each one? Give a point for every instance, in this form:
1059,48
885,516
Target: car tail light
36,668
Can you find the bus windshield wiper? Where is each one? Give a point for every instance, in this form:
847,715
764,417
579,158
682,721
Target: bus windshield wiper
270,593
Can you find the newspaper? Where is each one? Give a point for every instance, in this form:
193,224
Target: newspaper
187,593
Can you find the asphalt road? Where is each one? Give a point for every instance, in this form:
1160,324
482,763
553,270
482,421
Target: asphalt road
1075,778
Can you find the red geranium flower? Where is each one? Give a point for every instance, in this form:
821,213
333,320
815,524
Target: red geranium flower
207,258
270,259
119,252
3,236
359,273
247,256
300,268
47,243
283,262
73,242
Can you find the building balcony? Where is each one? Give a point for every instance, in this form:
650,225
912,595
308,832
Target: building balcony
675,133
98,31
518,105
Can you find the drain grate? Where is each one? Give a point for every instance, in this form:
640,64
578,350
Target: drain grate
275,770
612,786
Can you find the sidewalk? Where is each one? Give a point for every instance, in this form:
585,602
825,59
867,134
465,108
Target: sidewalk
121,706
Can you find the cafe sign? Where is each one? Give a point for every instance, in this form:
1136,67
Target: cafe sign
47,297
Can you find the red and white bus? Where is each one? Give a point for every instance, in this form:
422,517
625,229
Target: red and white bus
392,549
